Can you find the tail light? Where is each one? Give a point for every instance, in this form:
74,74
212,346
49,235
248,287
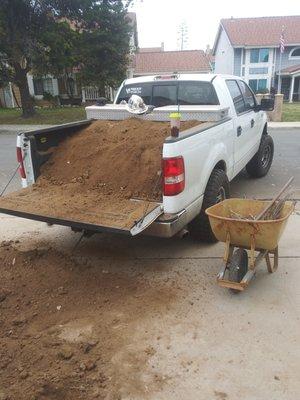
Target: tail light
21,164
173,176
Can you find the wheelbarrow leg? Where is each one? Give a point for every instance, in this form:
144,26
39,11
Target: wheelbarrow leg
227,257
272,267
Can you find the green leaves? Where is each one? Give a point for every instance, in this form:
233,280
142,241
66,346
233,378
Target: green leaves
62,36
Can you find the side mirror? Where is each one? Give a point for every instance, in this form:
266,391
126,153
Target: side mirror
267,105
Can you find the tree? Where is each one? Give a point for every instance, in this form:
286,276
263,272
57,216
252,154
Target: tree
34,38
104,45
54,36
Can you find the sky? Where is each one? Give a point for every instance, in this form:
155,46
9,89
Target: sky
159,20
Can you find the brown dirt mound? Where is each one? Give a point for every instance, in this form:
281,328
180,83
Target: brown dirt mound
122,158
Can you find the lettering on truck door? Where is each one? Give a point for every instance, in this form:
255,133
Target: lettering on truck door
246,123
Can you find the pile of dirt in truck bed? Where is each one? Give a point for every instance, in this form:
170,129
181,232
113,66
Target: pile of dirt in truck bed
68,325
92,175
119,158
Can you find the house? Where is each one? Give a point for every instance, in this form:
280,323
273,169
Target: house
169,62
250,48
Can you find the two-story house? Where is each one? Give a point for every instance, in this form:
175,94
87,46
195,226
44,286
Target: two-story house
250,48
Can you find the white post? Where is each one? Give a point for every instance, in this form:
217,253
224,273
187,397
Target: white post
12,95
279,74
292,89
83,95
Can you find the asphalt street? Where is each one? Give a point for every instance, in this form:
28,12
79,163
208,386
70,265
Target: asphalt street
286,164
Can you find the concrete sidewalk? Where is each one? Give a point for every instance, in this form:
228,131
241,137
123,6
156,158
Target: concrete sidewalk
21,128
284,125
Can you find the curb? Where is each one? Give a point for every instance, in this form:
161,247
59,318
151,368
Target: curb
284,125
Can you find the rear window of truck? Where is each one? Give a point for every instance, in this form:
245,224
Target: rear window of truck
172,93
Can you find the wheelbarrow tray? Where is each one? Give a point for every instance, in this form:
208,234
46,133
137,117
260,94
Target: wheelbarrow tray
265,233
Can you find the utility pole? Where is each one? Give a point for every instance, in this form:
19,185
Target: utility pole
182,35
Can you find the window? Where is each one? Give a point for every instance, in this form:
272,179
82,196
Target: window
164,95
248,95
38,87
141,89
259,55
48,85
295,53
236,96
197,93
258,85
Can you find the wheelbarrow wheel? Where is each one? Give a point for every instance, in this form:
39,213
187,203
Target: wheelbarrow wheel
238,266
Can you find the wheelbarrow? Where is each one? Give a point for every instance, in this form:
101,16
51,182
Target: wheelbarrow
231,224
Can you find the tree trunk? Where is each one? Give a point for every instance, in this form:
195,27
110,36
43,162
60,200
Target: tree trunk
22,83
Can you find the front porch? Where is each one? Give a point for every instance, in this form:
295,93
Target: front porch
290,83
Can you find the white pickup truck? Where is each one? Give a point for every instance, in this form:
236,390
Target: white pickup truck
197,165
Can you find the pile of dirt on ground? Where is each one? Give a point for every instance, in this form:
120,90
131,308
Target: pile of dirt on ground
67,327
91,176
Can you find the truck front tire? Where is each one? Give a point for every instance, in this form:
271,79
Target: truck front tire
260,164
217,189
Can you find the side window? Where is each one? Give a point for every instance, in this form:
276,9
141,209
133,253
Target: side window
164,95
236,96
248,95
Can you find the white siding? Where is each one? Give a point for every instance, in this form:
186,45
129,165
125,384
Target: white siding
224,55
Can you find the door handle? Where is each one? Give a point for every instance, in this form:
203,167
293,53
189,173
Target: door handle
239,131
252,123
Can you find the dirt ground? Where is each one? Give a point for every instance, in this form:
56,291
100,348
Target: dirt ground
127,319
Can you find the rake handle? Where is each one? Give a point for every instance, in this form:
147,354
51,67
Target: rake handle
267,208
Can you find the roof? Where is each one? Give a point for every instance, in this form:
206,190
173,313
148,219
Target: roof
171,61
291,70
262,31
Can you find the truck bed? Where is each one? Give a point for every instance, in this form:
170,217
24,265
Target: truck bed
72,204
129,217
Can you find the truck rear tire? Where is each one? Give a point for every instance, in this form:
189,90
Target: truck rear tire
217,189
260,164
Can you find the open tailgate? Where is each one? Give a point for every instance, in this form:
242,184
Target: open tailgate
127,216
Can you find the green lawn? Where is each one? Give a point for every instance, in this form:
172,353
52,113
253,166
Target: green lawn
291,112
50,116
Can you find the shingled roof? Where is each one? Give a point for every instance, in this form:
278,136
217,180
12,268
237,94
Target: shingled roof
171,61
262,31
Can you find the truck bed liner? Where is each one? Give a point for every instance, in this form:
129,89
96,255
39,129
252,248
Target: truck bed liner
132,218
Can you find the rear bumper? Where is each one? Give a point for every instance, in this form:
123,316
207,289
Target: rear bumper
168,225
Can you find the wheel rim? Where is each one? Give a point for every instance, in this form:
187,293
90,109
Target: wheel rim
221,195
265,160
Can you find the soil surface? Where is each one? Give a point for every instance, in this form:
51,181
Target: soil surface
92,176
63,320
